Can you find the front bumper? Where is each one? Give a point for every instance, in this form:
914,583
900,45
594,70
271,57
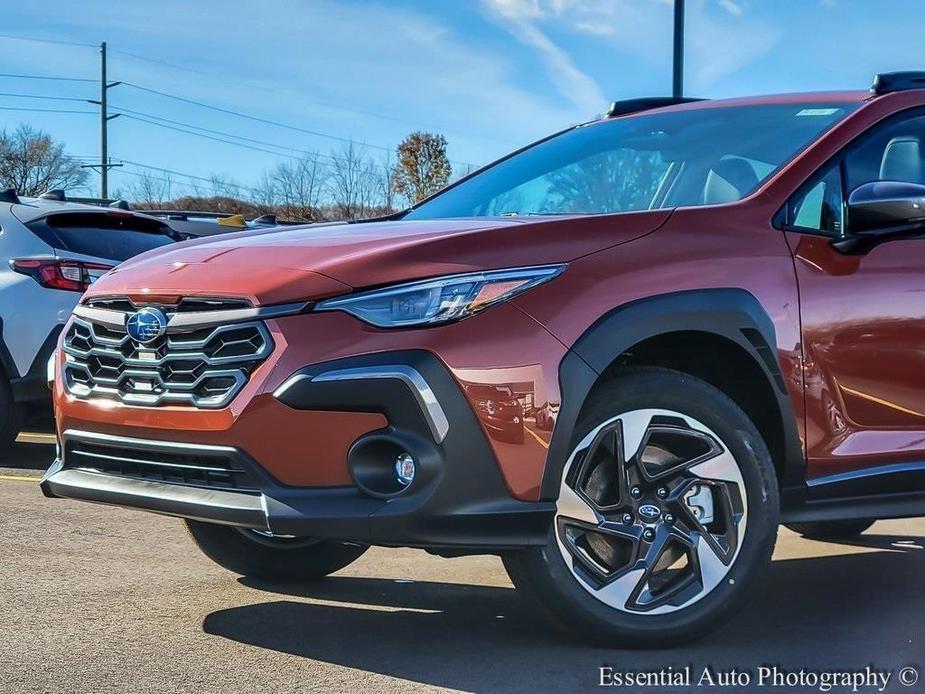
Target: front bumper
458,502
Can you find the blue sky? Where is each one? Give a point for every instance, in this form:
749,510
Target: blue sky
489,74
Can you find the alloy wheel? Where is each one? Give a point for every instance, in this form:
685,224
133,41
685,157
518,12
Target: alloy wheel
652,512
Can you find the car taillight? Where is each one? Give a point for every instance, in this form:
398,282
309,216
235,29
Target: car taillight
69,275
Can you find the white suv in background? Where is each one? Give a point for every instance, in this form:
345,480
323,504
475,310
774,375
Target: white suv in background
51,250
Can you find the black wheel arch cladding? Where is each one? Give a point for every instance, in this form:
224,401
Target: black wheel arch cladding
730,313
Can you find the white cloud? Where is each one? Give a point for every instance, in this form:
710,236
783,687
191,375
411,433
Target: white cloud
731,7
721,38
520,18
322,65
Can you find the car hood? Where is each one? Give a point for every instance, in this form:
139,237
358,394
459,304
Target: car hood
312,262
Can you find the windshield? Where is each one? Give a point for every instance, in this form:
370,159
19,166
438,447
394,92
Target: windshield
702,156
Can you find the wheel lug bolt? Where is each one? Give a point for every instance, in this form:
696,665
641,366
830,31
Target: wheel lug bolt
627,518
669,518
662,493
648,535
636,492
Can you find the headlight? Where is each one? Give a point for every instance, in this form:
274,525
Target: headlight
439,300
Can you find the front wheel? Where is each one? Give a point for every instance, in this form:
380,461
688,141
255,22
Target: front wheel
667,515
262,555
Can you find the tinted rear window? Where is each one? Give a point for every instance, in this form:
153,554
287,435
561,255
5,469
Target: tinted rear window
105,235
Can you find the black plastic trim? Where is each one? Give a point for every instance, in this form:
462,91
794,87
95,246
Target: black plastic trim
876,507
896,478
463,502
625,107
6,359
731,313
887,82
33,387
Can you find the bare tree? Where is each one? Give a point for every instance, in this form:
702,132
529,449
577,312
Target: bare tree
265,193
385,185
300,185
423,167
32,163
352,183
149,191
222,186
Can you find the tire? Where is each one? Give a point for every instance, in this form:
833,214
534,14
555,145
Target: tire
269,558
647,581
831,530
11,416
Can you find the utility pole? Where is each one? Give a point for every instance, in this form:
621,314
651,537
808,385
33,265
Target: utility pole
104,165
677,75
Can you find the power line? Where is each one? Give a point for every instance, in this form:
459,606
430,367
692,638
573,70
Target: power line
267,121
164,122
175,173
32,39
42,96
248,116
46,77
204,136
288,95
219,136
173,66
202,105
43,110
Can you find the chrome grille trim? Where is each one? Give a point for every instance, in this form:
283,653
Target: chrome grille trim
187,368
192,347
193,320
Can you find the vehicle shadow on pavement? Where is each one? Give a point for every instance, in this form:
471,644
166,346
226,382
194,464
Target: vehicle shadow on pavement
836,611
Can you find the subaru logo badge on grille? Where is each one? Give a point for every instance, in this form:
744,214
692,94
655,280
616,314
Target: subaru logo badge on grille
650,512
146,325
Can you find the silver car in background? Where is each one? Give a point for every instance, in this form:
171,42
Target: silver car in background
51,250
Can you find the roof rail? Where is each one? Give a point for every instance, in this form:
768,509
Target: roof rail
627,106
9,195
56,194
887,82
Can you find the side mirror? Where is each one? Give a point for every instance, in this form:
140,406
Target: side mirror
882,209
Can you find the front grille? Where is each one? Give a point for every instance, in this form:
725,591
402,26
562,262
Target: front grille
184,305
214,470
202,367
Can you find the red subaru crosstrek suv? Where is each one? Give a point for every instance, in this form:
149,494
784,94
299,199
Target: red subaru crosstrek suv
719,302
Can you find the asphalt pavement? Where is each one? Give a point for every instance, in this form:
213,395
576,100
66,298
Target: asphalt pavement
98,599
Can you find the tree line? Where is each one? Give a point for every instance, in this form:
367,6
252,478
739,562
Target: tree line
346,184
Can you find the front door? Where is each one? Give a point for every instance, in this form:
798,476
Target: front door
863,323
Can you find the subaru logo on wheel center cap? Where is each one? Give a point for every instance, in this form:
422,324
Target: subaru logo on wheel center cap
650,512
146,325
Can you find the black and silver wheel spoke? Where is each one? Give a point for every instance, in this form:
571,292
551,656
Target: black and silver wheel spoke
652,511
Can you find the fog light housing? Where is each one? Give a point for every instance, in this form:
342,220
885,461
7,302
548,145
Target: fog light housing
404,469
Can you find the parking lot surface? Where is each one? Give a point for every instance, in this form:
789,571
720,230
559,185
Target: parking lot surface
97,599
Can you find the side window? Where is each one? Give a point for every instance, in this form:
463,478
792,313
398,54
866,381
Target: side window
888,153
818,205
894,151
